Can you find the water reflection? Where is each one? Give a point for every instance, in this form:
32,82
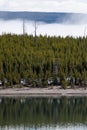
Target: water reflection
43,113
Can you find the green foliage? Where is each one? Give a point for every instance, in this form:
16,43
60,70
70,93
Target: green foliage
64,82
21,58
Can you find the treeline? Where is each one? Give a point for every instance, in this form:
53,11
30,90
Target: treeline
39,61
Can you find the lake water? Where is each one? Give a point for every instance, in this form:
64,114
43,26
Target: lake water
43,113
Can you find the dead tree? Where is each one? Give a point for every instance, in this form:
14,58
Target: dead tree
35,30
23,27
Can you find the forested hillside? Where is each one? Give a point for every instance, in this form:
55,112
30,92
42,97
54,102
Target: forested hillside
42,59
46,17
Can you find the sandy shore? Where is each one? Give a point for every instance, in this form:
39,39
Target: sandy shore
42,92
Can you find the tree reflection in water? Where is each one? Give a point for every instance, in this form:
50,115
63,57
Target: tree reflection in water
42,113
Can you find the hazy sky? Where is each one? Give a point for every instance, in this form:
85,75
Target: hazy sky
43,29
79,6
76,6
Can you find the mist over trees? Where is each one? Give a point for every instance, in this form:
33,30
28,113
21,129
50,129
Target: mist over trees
42,58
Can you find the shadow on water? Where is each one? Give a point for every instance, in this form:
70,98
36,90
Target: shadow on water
43,111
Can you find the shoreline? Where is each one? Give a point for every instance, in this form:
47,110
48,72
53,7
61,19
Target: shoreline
42,92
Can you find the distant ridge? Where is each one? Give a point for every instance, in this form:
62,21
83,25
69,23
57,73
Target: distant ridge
47,17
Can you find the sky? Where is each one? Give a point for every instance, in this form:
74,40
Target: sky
74,6
77,6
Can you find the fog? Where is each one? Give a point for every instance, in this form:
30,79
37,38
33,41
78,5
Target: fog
54,29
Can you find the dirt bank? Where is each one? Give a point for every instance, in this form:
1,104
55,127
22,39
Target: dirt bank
42,92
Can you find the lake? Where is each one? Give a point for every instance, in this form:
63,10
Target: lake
61,113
